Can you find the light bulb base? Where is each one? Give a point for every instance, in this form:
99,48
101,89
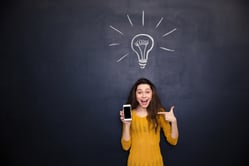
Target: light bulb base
142,64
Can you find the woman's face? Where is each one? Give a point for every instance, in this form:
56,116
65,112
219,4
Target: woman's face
144,95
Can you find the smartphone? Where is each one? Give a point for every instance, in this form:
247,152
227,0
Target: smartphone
127,112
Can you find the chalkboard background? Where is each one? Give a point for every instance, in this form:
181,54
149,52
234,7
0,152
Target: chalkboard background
63,87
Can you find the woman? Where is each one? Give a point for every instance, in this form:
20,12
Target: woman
141,136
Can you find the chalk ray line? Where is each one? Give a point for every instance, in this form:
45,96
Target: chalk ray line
159,22
113,44
166,34
115,29
167,49
120,59
143,18
129,20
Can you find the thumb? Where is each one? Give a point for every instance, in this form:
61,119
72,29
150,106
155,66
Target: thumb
172,108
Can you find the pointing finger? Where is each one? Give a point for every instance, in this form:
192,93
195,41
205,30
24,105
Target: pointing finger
161,113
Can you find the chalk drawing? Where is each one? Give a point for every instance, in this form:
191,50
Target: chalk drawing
141,44
128,17
143,18
166,34
115,29
122,57
159,22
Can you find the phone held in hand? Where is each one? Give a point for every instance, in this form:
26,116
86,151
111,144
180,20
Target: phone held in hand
127,112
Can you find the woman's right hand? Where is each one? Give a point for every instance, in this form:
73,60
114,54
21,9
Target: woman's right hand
122,118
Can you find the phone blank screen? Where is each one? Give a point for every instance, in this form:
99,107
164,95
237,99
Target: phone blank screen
127,112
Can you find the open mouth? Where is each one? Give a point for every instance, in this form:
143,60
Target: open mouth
144,102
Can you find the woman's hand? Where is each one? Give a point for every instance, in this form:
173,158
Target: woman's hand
122,118
169,116
126,127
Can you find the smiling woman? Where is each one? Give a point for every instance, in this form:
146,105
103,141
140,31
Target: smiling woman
141,136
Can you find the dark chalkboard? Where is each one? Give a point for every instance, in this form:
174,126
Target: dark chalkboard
67,68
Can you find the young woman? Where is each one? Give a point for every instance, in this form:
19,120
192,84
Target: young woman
141,135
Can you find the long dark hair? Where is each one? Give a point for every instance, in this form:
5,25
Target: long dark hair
155,104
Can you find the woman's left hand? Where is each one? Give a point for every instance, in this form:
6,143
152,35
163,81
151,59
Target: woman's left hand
169,116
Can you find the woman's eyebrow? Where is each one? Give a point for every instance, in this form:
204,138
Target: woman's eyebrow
144,89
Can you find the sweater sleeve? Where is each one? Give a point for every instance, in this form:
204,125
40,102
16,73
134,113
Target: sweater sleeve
166,126
125,144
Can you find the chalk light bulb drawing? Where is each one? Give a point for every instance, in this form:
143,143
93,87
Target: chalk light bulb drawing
142,44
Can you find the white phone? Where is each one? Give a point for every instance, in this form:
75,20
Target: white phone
127,112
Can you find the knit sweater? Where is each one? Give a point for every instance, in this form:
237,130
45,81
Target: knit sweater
144,148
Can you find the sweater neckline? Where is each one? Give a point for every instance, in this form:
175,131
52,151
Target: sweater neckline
135,113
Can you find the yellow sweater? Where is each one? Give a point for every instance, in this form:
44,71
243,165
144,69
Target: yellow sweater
144,143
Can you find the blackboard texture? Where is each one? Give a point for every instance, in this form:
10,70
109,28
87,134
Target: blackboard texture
67,67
